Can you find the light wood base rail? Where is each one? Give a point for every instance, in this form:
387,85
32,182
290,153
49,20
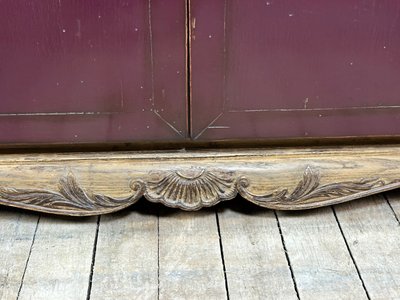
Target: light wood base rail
82,184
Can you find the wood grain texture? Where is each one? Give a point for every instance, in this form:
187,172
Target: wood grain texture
321,263
393,198
373,235
60,261
126,257
190,257
249,246
256,267
288,178
17,234
70,197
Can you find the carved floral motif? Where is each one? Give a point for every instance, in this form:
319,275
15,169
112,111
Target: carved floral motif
191,189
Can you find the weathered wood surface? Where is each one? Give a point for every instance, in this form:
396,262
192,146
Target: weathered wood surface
127,256
238,250
322,266
60,260
17,231
256,266
82,184
190,263
373,235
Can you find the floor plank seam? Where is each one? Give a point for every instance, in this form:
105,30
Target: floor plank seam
158,253
28,258
221,247
391,208
350,253
89,290
287,255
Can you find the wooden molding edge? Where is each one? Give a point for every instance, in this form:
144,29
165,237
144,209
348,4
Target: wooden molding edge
83,184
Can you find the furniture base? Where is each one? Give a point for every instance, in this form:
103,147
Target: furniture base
83,184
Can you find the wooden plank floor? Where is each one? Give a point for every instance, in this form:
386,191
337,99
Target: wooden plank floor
233,251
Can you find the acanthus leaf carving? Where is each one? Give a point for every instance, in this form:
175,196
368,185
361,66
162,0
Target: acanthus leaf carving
191,189
309,192
70,199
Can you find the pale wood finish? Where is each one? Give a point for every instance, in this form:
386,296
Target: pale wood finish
288,178
393,198
256,266
190,263
373,235
190,258
127,257
60,262
322,266
16,236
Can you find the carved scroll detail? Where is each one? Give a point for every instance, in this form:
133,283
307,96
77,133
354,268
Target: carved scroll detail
310,193
70,199
191,189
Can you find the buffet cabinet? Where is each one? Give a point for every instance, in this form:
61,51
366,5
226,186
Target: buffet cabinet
291,104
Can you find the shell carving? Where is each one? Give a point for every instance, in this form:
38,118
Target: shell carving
191,189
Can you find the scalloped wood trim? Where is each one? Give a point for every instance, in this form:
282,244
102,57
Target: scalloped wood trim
82,184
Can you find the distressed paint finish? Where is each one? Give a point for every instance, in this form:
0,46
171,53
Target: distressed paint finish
295,68
92,71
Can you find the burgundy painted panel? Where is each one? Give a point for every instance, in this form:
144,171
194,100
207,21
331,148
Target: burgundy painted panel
92,71
293,68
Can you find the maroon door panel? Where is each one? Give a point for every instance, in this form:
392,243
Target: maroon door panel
92,71
295,68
